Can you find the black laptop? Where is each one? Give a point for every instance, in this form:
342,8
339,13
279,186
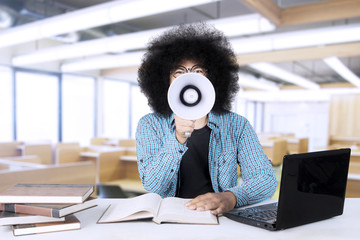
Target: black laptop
312,189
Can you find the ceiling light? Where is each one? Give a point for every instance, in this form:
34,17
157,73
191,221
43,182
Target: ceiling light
284,75
103,62
98,15
314,37
232,26
115,44
250,81
6,17
297,39
329,35
342,70
241,25
324,94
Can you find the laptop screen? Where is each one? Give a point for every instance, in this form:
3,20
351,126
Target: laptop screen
312,187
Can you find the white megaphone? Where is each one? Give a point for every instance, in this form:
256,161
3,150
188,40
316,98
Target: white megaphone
191,96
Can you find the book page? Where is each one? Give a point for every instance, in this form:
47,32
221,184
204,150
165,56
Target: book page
173,209
143,206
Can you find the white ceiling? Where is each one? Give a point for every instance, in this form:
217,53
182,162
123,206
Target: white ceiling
24,11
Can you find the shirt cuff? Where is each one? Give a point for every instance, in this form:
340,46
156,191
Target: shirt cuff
174,147
241,196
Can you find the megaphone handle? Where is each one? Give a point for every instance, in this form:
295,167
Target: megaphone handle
187,134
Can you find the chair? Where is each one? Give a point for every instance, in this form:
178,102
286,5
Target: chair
353,186
345,141
8,149
67,144
63,145
98,141
298,145
275,150
127,143
43,151
67,155
25,159
109,166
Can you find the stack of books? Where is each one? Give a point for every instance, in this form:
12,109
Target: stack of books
41,208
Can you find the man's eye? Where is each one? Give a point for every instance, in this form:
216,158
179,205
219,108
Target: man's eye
179,72
199,70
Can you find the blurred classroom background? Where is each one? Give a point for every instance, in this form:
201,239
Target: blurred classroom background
70,103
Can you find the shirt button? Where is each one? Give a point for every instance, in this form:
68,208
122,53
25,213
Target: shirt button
181,151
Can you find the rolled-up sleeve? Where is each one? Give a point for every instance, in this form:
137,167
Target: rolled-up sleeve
159,155
258,176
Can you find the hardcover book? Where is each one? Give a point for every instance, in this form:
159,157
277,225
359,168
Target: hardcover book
71,223
151,205
46,193
9,218
48,210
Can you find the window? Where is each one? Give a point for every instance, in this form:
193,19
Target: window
253,111
36,106
6,104
139,107
78,109
115,110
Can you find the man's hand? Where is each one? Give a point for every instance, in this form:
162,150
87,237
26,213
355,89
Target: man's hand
183,126
215,202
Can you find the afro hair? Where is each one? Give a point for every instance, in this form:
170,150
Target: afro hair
198,42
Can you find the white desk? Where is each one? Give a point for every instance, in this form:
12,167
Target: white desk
342,227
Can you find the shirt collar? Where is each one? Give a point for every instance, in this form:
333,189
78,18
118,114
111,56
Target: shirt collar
213,121
172,121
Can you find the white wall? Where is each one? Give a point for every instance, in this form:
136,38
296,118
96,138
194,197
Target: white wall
304,113
304,119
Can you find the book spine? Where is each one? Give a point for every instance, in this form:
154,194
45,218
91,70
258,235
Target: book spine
32,210
55,213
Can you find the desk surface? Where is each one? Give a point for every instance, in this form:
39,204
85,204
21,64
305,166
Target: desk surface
341,227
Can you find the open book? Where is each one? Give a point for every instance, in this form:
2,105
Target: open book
151,205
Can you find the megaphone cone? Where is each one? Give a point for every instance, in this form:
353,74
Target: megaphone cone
191,96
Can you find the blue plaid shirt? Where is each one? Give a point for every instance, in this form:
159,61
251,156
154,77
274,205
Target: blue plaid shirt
232,141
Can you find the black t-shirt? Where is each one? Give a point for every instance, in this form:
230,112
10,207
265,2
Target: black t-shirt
194,178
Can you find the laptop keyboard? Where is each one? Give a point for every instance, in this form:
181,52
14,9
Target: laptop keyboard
259,213
265,215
